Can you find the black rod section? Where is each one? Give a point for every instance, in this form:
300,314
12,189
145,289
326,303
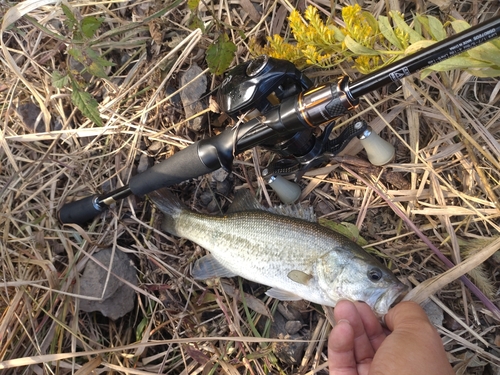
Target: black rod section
113,196
428,56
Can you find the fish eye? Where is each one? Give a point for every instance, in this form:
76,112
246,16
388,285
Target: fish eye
374,274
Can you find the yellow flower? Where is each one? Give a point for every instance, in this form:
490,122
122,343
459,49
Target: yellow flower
359,25
318,41
403,37
367,64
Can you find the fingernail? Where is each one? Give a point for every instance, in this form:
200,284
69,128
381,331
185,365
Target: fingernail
343,321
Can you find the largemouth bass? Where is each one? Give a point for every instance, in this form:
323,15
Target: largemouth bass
296,257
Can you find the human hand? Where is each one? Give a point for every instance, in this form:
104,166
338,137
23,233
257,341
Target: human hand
359,345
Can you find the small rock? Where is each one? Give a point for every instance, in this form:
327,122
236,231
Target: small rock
287,323
206,197
191,95
213,206
118,297
289,312
155,147
219,175
293,326
224,187
31,117
176,99
144,163
288,352
221,181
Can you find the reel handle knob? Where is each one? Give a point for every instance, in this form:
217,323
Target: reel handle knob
378,150
287,191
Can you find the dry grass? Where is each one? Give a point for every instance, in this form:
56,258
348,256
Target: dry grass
446,131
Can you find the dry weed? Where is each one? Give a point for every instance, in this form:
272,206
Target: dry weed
445,129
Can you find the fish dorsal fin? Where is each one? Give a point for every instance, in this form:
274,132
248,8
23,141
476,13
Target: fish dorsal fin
208,267
295,210
299,277
244,201
282,295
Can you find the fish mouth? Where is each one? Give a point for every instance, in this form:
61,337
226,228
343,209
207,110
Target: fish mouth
391,297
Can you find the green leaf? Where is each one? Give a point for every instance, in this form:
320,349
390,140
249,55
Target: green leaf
400,22
97,70
77,55
418,46
339,35
46,31
141,327
193,4
486,52
220,54
94,56
86,104
388,32
97,63
359,49
349,230
90,25
372,21
417,26
495,42
196,23
459,62
459,26
59,80
484,73
70,17
433,27
436,28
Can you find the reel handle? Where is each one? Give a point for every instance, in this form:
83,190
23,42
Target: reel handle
378,150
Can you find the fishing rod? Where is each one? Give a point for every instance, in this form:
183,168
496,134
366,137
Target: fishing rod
286,128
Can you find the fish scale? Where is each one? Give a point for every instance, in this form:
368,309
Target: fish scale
297,258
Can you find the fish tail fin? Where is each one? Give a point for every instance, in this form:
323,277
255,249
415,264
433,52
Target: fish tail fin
170,206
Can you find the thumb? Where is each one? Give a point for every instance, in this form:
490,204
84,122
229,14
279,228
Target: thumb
414,344
406,315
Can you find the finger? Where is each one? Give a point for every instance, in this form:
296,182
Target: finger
341,359
374,330
414,343
363,349
405,314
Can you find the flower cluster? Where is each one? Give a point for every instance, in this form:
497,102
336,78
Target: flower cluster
360,26
372,43
317,42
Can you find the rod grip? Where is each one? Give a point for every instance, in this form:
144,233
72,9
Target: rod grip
181,166
80,211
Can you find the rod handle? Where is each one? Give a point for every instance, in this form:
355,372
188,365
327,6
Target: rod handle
80,211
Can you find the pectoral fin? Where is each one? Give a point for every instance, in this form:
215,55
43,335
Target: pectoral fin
299,277
282,295
208,268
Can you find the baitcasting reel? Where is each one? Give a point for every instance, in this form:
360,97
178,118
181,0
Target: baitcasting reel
253,88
